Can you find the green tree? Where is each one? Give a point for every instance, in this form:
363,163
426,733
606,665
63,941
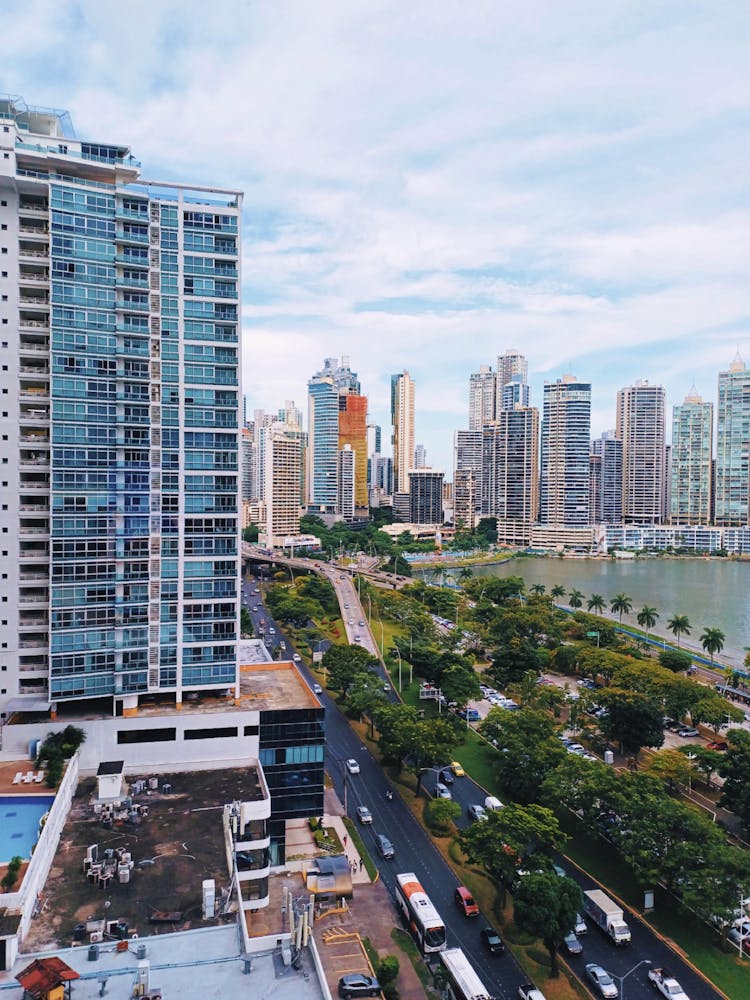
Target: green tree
558,591
459,684
621,605
396,725
364,694
735,769
675,660
434,742
670,767
596,603
510,662
575,599
679,625
545,905
706,762
250,534
513,838
343,663
714,711
646,617
528,747
246,622
632,720
538,589
440,814
712,641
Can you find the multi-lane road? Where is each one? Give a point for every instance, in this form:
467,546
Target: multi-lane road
414,850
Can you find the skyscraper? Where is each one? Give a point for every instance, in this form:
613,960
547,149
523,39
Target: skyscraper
733,445
426,497
482,397
120,351
640,427
283,457
346,482
402,419
353,432
324,389
566,427
692,451
510,473
606,486
420,457
467,477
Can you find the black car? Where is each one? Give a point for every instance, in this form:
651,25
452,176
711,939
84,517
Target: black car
358,985
446,776
492,941
384,845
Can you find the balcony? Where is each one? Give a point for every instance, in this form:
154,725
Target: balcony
132,236
29,277
34,252
34,642
35,392
128,261
129,306
35,416
33,347
36,209
40,230
32,621
39,301
33,552
32,323
41,370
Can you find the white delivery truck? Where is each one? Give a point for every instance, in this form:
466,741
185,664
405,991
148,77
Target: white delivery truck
607,915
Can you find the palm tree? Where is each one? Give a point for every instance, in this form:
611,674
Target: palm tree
538,588
558,590
465,574
712,641
621,605
646,617
575,598
596,601
678,626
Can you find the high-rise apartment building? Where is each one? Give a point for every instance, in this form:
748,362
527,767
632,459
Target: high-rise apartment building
246,456
566,428
510,473
420,457
373,448
426,497
347,482
402,419
467,477
482,397
733,446
337,416
492,391
283,456
691,454
120,458
641,428
606,479
353,432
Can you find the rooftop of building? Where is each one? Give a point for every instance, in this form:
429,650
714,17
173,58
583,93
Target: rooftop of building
206,963
175,840
265,685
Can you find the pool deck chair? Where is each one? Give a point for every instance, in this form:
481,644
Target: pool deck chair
18,778
39,777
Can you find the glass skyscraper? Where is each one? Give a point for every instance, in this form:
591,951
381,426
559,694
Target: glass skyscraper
733,446
120,366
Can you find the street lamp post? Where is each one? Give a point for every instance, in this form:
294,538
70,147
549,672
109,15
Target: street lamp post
621,979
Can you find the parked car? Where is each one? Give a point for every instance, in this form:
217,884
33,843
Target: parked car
384,845
492,941
358,985
296,657
717,745
387,687
686,732
603,983
446,776
476,812
465,902
457,769
364,815
317,689
579,925
352,766
529,992
572,945
442,791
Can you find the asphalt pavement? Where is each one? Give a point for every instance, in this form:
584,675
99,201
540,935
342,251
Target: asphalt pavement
415,852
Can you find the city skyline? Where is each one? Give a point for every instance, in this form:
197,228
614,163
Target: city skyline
592,213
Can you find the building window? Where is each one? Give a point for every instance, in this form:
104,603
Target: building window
130,736
227,732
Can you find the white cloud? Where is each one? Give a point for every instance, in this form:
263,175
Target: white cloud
570,179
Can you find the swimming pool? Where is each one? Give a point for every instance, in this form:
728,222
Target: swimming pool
19,823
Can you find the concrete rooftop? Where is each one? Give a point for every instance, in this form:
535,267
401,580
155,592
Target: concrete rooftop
202,963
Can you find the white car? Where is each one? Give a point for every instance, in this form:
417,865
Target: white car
352,766
442,791
296,658
364,815
529,992
603,982
317,689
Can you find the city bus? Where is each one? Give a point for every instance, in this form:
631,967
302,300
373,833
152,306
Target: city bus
419,913
463,982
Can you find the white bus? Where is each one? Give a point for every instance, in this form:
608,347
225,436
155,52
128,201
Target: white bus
463,982
419,913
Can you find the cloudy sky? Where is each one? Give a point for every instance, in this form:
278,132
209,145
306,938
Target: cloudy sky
429,183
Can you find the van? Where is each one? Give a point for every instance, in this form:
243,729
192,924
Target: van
492,803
